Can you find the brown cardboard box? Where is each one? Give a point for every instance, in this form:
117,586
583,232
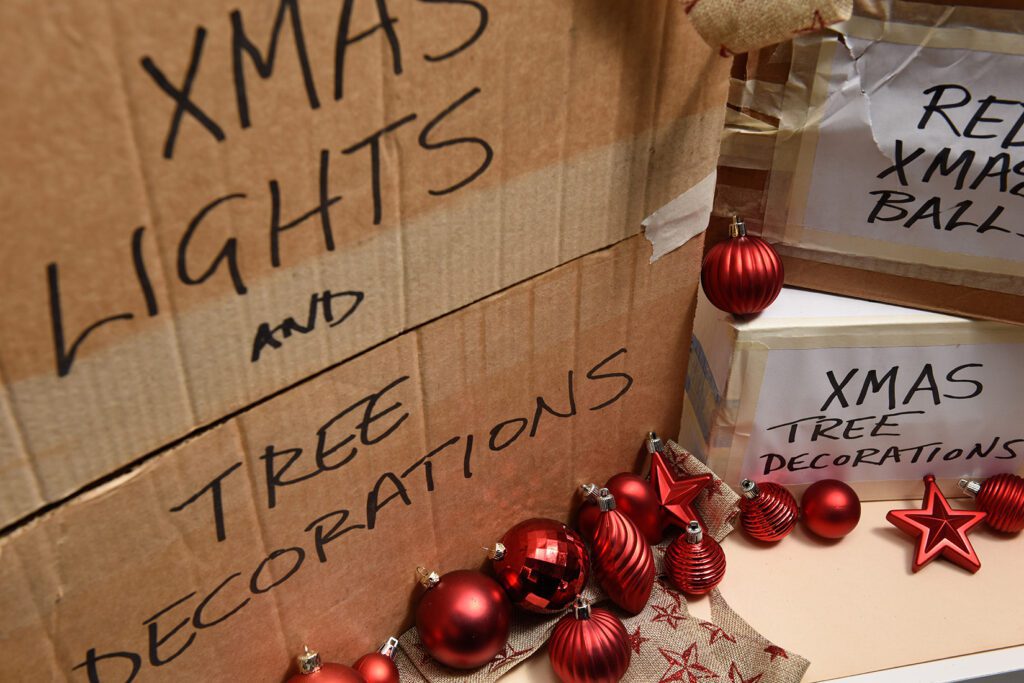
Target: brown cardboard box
203,563
207,202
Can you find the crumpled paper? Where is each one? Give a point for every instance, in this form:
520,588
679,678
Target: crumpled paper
738,26
668,643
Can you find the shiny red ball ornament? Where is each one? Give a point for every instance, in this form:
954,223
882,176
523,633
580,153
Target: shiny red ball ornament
542,564
1002,497
313,670
589,646
623,563
940,530
742,275
830,508
694,562
379,666
463,618
635,498
768,512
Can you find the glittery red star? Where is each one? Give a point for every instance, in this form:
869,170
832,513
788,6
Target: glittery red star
716,633
776,651
683,666
676,494
940,529
636,640
736,677
669,615
715,487
507,655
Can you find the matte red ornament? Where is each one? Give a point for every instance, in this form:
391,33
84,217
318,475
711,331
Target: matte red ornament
940,530
742,275
1002,497
542,564
589,646
695,563
830,508
379,666
768,512
312,670
676,495
635,498
622,561
463,618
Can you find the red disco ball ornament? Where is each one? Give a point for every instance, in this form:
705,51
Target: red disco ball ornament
379,666
313,670
589,646
463,618
1002,497
542,564
694,562
768,512
634,497
742,275
830,508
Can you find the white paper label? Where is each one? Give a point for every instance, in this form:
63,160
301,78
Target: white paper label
893,413
923,147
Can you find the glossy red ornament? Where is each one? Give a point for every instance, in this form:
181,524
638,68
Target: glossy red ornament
742,275
635,498
542,564
623,563
1002,497
694,562
940,530
312,670
676,495
768,512
589,646
463,618
379,666
830,508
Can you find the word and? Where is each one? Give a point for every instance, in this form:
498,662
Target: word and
319,303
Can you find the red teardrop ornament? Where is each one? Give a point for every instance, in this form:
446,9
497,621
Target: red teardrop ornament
1002,497
634,497
742,275
695,562
589,646
768,512
622,561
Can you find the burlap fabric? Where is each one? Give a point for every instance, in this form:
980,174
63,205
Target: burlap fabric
737,26
668,643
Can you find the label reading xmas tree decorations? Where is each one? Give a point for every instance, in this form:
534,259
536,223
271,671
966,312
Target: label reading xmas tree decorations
894,413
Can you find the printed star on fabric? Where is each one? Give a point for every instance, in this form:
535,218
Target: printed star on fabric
776,651
715,488
507,655
716,633
677,494
636,641
683,666
670,615
672,593
426,658
941,531
736,677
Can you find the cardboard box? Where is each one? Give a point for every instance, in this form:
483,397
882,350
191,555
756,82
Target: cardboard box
821,386
204,563
862,164
208,202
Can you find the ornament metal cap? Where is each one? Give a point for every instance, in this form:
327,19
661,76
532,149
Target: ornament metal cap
970,486
427,579
309,661
654,444
694,534
581,608
497,552
390,648
737,228
605,500
749,489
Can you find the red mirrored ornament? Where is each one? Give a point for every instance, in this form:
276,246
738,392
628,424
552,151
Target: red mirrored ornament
1002,497
830,508
694,562
742,275
379,666
635,498
589,646
542,564
313,670
768,512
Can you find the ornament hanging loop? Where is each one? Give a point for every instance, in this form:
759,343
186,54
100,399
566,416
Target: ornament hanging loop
749,489
970,487
737,228
605,500
426,578
694,534
309,661
581,608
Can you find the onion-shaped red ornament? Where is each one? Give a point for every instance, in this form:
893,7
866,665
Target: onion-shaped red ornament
463,618
768,512
589,646
313,670
379,666
830,508
743,274
695,562
623,563
542,564
634,497
1002,497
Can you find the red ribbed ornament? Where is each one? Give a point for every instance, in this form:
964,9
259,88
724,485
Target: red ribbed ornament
1002,497
589,646
695,562
743,274
768,512
622,561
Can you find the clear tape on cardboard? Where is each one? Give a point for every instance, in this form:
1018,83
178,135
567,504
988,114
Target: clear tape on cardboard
683,218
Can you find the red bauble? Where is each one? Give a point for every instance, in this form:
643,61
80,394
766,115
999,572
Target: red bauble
768,512
940,530
379,666
622,561
830,508
743,274
589,646
1002,497
542,565
695,562
463,618
635,498
312,670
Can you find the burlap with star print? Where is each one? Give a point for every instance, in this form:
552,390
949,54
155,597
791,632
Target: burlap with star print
668,643
738,26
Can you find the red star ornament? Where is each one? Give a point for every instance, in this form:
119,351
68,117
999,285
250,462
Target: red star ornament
940,530
677,495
